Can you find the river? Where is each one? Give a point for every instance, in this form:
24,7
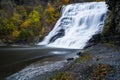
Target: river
17,59
76,26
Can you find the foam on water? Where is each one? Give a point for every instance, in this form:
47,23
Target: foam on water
37,70
79,23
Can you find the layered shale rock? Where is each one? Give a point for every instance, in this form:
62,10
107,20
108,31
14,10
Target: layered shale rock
111,31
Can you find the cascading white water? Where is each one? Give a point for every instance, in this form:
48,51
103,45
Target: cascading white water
78,23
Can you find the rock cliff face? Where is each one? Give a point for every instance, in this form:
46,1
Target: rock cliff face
111,30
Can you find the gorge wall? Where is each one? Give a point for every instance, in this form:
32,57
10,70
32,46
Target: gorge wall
111,30
19,26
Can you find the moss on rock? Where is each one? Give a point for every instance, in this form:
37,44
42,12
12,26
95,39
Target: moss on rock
83,57
101,70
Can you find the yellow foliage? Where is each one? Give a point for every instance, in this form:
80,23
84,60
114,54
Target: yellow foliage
15,34
65,1
43,30
8,24
34,16
16,15
101,70
21,10
25,24
51,15
64,76
50,8
16,18
57,14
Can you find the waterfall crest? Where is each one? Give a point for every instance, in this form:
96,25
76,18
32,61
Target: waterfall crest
77,24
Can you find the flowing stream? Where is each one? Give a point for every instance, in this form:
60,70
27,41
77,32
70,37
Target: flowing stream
78,23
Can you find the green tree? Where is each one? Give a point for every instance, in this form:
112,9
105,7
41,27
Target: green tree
25,36
6,27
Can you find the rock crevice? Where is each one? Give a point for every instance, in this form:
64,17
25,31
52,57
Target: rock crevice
111,30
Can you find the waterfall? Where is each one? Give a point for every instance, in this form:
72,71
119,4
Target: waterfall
77,24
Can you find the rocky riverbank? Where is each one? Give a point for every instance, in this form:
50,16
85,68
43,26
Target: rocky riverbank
99,62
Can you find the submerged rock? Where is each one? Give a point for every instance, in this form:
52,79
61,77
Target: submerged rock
70,59
79,53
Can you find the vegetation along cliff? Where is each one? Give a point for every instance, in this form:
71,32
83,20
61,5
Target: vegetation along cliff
28,21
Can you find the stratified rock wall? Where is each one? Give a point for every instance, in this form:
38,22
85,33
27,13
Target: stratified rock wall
111,31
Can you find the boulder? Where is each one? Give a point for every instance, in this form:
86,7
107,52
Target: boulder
70,59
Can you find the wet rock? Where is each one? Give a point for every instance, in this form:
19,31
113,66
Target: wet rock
111,29
96,38
111,4
99,66
97,59
79,53
70,59
89,45
60,34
